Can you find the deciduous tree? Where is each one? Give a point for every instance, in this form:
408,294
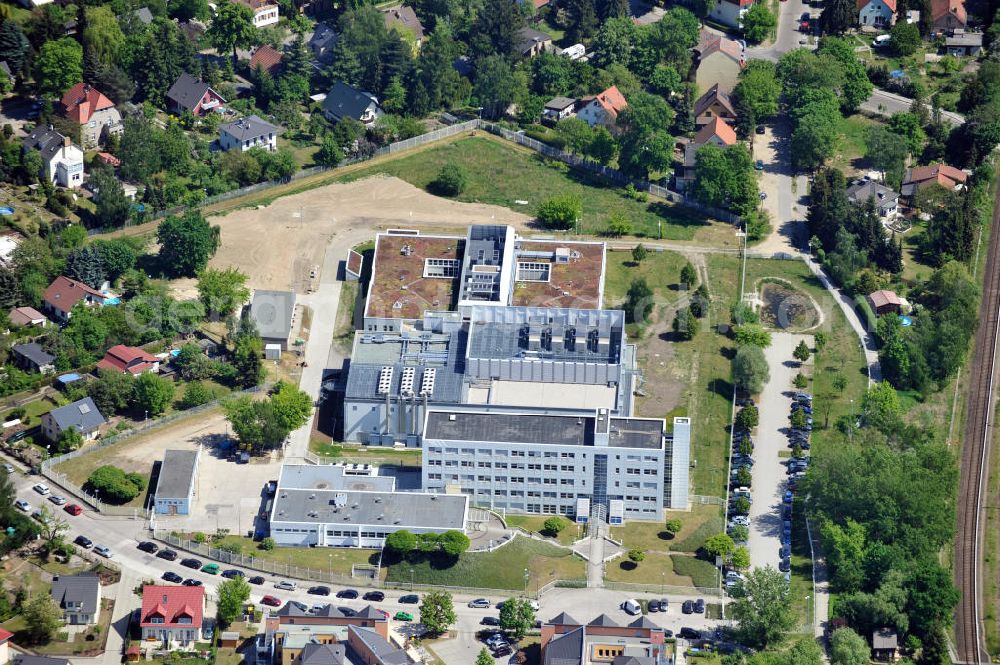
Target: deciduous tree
232,596
762,608
437,612
186,242
232,27
750,370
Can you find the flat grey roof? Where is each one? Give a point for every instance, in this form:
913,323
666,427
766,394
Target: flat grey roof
331,477
176,474
272,310
636,433
391,509
510,428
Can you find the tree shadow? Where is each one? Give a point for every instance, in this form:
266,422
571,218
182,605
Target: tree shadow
628,565
666,535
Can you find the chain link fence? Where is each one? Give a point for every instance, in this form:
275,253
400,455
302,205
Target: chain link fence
663,589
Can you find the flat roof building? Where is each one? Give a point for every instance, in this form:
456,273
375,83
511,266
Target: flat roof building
273,311
305,513
175,488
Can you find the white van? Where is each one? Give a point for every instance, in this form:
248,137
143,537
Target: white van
631,607
881,41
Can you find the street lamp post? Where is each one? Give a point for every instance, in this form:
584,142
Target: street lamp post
411,579
526,581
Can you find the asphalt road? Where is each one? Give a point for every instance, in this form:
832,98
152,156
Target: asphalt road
886,103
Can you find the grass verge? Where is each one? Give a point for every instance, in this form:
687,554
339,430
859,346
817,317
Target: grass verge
535,524
329,559
701,573
699,523
500,569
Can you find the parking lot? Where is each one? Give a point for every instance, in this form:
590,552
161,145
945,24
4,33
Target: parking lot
771,452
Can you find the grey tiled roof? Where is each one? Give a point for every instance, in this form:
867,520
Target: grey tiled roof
378,645
83,588
566,649
46,141
250,128
33,352
323,654
176,474
187,91
82,414
563,619
604,621
344,101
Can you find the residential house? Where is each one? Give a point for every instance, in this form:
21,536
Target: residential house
273,312
265,13
132,360
96,114
175,488
81,415
371,648
603,109
531,42
27,316
715,103
730,13
558,108
172,615
323,39
885,645
866,189
717,132
876,13
344,101
962,43
719,60
32,358
191,95
62,162
948,15
404,19
885,302
919,177
63,294
79,597
247,133
266,58
332,616
5,636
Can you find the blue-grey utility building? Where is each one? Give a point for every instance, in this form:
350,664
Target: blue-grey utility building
175,489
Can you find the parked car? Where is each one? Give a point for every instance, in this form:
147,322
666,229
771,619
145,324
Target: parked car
58,500
490,621
73,509
789,495
760,129
210,568
22,505
376,596
193,564
285,585
83,541
299,605
740,520
318,607
759,165
687,607
167,554
501,652
409,599
784,552
41,488
171,576
785,565
103,551
403,616
232,573
479,602
699,606
350,594
191,582
256,579
690,633
270,601
323,591
147,546
631,606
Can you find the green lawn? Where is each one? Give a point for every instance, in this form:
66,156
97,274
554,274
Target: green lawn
350,452
683,378
702,521
850,156
500,174
702,573
535,524
500,569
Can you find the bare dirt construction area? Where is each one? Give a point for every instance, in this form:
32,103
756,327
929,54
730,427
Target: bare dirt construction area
280,245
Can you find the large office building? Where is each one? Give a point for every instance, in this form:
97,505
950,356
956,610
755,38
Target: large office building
352,506
557,463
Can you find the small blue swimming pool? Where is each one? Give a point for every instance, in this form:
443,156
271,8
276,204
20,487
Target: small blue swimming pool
6,211
906,321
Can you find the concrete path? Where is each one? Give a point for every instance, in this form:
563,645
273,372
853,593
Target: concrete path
595,567
769,478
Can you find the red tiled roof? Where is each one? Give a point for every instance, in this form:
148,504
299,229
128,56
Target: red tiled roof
717,127
891,4
884,298
5,635
943,174
109,159
172,603
710,42
63,293
267,57
256,4
119,358
940,8
612,101
81,101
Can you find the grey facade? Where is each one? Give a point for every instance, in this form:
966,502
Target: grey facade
175,488
545,463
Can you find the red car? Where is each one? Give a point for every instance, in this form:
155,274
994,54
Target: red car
73,509
270,600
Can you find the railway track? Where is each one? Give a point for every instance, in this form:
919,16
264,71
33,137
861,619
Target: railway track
969,644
